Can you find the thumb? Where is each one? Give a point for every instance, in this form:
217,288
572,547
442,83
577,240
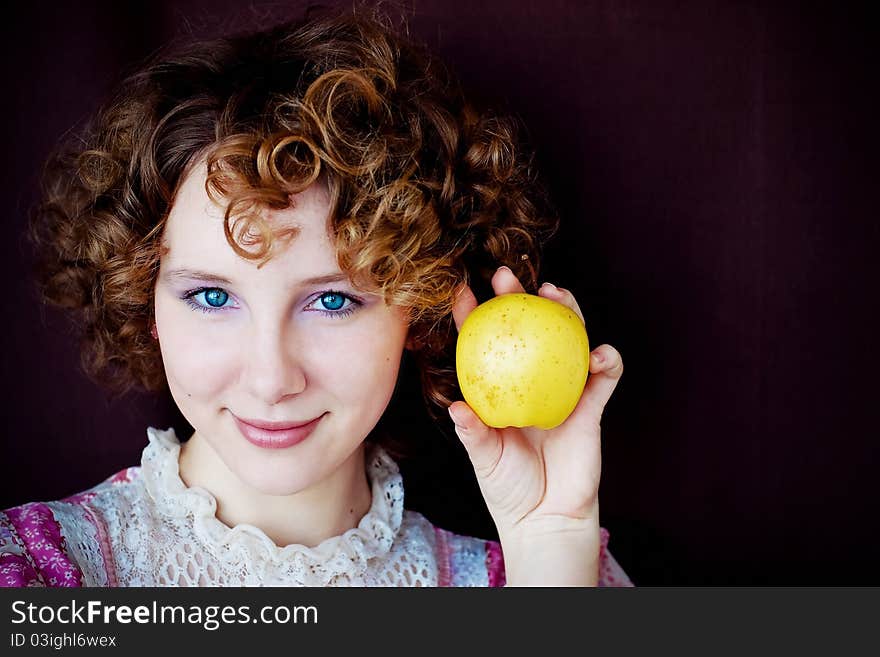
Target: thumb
483,445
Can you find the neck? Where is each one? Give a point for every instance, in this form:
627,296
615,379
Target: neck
326,509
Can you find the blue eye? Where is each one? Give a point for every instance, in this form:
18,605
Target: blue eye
334,301
215,299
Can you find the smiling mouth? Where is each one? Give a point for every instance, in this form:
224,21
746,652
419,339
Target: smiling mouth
275,426
280,438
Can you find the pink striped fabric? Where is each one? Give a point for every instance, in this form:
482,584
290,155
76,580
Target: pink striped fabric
44,559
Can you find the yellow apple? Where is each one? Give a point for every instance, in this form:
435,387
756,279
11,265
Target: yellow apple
522,360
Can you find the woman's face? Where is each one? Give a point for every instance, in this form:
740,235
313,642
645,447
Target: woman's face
267,344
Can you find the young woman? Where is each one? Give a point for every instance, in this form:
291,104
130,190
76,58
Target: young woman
264,223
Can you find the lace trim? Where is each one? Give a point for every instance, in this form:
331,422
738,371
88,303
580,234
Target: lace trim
83,535
346,554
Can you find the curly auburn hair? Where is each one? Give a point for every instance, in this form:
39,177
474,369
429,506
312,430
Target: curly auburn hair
426,191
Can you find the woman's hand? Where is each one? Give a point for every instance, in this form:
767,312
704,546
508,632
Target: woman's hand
541,486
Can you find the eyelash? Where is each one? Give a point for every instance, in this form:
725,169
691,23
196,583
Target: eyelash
345,312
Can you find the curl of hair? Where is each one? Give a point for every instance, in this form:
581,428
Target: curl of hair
426,191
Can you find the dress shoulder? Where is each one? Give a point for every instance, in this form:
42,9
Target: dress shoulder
470,561
44,543
34,550
467,560
610,572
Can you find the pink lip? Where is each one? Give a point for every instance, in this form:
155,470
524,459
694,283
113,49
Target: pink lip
268,436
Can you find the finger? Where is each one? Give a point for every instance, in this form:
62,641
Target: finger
560,295
504,281
464,303
482,444
606,368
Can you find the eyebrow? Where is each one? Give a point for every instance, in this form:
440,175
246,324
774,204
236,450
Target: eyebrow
208,277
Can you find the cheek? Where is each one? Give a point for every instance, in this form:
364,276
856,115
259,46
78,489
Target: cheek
365,365
196,368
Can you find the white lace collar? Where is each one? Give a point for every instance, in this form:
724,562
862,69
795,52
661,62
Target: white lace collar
347,554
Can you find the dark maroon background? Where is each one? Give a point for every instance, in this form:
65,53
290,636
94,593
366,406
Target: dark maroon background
713,163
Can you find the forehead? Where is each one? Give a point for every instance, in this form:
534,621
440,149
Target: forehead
194,231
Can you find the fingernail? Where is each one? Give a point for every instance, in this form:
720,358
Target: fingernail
550,287
505,267
597,357
455,419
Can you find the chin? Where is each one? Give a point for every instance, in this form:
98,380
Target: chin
287,482
285,472
282,489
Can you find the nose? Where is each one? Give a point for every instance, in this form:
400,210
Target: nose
272,367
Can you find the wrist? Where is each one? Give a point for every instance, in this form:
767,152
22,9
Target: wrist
553,552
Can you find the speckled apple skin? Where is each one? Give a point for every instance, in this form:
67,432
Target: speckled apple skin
522,360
